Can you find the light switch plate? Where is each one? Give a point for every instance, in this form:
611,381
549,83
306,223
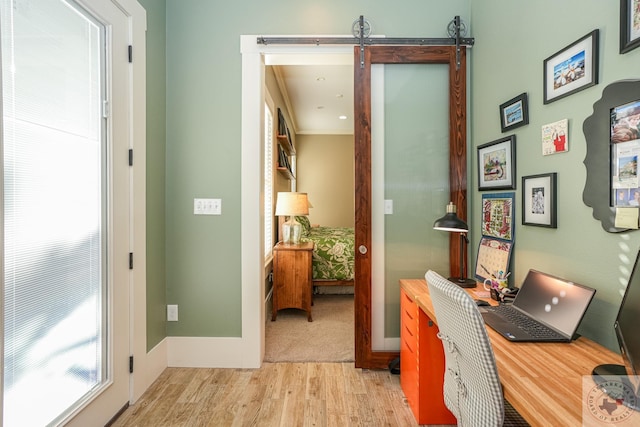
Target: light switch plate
388,207
207,206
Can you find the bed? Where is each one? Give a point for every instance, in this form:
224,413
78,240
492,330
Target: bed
333,253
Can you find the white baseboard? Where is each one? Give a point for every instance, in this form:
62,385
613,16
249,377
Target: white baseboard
152,366
156,361
205,352
190,352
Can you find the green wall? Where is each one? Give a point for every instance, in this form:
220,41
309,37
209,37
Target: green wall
203,88
203,132
513,38
156,146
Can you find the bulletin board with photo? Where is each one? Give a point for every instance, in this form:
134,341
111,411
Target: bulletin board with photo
625,151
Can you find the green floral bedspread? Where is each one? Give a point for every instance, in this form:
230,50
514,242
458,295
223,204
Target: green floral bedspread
333,255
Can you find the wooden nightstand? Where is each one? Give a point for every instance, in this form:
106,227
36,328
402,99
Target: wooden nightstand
292,277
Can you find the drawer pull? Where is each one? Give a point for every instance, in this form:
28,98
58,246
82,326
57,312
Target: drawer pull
408,346
408,330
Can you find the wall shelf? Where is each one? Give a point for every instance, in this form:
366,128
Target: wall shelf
286,173
286,149
286,144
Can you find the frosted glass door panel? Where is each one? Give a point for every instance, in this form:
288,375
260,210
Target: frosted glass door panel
416,177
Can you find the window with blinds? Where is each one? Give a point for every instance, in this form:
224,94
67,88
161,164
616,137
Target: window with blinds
54,207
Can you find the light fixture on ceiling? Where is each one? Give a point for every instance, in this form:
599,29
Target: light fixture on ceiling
342,117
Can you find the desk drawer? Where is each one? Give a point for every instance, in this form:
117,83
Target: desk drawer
421,358
409,372
409,314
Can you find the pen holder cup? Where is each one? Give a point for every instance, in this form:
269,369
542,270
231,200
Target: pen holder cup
495,284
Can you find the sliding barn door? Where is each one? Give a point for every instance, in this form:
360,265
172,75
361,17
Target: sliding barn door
365,356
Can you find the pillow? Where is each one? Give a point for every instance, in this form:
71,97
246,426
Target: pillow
306,225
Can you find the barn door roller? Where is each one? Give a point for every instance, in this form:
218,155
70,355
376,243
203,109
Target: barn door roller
361,30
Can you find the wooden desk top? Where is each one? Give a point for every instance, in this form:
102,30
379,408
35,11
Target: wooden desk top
543,381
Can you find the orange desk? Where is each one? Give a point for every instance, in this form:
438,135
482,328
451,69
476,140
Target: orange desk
543,381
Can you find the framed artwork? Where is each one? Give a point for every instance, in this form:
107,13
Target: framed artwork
497,164
629,25
493,257
498,215
539,200
572,69
514,113
555,137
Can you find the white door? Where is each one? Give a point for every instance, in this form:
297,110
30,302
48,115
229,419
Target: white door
66,135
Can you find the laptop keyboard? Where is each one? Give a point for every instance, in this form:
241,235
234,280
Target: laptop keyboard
531,326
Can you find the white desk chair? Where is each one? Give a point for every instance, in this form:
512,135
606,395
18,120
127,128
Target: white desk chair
472,389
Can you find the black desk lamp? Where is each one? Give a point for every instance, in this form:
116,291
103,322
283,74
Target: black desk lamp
451,222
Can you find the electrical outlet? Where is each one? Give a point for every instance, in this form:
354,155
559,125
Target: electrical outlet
172,312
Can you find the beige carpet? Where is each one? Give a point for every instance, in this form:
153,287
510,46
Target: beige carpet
329,338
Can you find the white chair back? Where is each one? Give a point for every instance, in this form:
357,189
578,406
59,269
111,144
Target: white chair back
472,389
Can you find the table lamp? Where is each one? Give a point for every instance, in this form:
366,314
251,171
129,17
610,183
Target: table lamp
451,222
291,204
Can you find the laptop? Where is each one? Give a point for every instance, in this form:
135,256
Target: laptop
546,309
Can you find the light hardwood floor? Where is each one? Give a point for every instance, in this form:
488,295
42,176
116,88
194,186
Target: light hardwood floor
277,394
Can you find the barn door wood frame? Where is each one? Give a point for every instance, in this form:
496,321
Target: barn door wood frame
455,57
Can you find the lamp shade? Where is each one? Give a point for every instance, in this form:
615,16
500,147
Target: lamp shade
292,204
451,222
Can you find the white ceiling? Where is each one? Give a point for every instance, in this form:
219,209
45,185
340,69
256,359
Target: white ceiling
317,95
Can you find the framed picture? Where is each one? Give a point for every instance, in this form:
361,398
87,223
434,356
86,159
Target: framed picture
514,113
539,200
498,215
555,137
629,25
497,164
572,69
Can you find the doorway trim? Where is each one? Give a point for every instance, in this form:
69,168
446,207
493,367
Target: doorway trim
250,351
252,343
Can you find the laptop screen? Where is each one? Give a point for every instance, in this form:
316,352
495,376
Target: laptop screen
556,302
